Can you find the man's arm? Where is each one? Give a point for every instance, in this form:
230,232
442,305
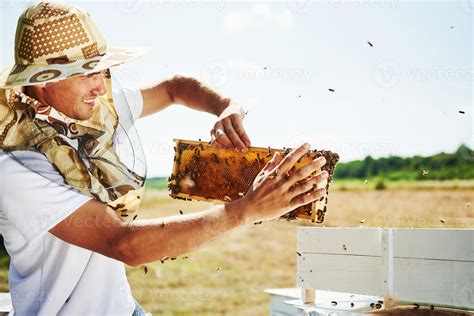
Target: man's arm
95,226
183,90
228,131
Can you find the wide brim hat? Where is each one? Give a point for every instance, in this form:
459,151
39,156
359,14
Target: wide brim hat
55,41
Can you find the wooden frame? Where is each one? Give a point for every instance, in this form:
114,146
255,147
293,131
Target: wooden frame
412,266
308,212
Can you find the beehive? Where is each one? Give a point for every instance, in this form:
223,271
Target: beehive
205,173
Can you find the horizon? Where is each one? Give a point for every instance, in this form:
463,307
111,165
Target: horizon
400,95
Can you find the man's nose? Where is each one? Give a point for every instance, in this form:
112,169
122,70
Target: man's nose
99,86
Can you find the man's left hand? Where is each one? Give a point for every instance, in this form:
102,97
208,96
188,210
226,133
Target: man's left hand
229,132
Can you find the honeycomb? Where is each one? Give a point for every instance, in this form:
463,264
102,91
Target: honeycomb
205,173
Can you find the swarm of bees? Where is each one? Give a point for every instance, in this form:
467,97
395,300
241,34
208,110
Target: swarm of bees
205,173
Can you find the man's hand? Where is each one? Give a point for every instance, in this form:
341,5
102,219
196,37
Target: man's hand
229,132
274,192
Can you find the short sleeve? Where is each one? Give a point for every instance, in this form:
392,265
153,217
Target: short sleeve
129,104
35,202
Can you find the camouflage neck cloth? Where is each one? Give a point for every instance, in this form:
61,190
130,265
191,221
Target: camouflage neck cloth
94,168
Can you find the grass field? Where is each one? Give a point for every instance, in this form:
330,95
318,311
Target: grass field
229,275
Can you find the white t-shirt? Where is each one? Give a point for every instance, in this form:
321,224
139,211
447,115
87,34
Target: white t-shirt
47,275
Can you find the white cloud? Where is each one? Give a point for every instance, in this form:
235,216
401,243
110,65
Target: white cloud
239,20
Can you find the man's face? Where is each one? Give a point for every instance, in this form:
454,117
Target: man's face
75,96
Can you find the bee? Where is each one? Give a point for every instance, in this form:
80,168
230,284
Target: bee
432,307
462,112
135,217
442,220
162,225
370,44
332,90
181,212
257,223
298,253
372,305
145,269
352,304
164,259
185,257
362,221
172,259
416,305
333,303
378,306
299,96
344,247
218,268
468,204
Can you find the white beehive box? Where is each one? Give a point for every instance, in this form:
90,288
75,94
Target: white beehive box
424,266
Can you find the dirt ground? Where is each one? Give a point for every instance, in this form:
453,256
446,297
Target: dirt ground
228,276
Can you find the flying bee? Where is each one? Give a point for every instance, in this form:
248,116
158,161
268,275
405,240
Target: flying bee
416,305
257,223
344,247
145,269
333,303
332,90
181,212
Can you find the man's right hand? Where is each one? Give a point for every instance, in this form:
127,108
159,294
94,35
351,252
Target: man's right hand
275,192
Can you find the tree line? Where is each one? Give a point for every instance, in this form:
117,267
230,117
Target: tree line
442,166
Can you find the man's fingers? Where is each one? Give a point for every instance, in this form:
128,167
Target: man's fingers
305,186
307,170
273,162
234,137
221,136
290,160
239,128
306,198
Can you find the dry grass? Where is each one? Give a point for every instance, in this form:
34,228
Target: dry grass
263,256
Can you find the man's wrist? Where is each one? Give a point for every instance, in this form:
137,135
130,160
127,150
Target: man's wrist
237,212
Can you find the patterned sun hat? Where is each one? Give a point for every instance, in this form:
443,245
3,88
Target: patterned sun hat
56,41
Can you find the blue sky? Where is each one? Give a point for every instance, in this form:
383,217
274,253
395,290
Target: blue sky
279,58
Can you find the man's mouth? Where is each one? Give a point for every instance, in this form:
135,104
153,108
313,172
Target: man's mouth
89,102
